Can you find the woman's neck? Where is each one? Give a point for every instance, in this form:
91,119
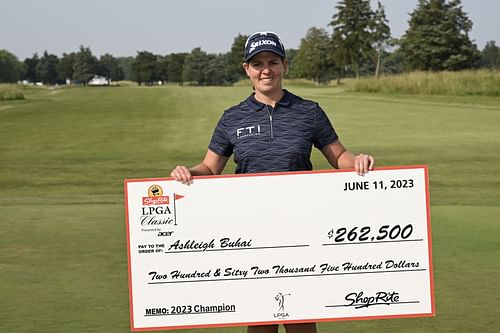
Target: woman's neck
269,98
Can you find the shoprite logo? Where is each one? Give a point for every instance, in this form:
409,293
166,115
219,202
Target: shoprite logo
155,196
155,191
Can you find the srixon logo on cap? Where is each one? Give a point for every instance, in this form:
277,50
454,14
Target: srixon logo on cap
254,45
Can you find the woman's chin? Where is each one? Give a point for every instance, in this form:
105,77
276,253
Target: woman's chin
267,87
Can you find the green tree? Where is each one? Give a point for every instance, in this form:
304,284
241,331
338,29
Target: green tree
11,68
175,67
490,56
218,71
381,35
313,60
235,58
438,37
65,68
394,62
162,68
145,68
30,65
46,68
195,66
293,72
125,64
110,68
352,39
85,65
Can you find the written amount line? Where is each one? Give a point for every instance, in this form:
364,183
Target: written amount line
291,276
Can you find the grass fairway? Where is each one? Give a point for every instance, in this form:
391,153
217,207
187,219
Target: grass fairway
64,154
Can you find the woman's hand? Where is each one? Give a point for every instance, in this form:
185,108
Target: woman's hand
363,163
182,174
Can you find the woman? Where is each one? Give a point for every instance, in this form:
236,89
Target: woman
272,131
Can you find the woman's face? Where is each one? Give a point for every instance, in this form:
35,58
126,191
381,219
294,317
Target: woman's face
266,70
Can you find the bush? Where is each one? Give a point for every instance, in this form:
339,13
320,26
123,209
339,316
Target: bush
10,92
481,82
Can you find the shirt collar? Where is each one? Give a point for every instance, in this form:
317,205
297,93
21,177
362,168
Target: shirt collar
256,105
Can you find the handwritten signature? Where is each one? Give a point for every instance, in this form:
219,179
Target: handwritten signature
359,300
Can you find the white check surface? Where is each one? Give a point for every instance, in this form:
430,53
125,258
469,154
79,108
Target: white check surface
279,248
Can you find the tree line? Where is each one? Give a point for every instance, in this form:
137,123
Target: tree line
360,43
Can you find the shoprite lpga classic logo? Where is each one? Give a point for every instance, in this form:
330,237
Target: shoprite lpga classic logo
155,196
158,210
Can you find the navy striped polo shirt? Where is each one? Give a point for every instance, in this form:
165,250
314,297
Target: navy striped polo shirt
267,139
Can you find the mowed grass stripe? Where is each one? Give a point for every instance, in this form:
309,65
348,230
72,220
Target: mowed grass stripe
64,154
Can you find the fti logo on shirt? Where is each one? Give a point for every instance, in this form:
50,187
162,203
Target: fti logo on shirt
244,132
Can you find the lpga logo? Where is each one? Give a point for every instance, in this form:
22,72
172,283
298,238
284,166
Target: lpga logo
280,298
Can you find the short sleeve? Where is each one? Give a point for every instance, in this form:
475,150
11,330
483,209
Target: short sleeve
220,143
324,133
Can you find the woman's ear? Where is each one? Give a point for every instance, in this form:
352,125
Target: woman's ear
245,67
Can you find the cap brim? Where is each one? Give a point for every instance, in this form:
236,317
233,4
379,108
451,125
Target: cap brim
264,49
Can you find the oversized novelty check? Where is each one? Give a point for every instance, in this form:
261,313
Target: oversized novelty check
279,248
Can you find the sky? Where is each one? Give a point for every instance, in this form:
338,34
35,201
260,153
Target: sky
123,27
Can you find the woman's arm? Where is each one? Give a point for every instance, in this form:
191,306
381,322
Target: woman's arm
339,157
212,164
